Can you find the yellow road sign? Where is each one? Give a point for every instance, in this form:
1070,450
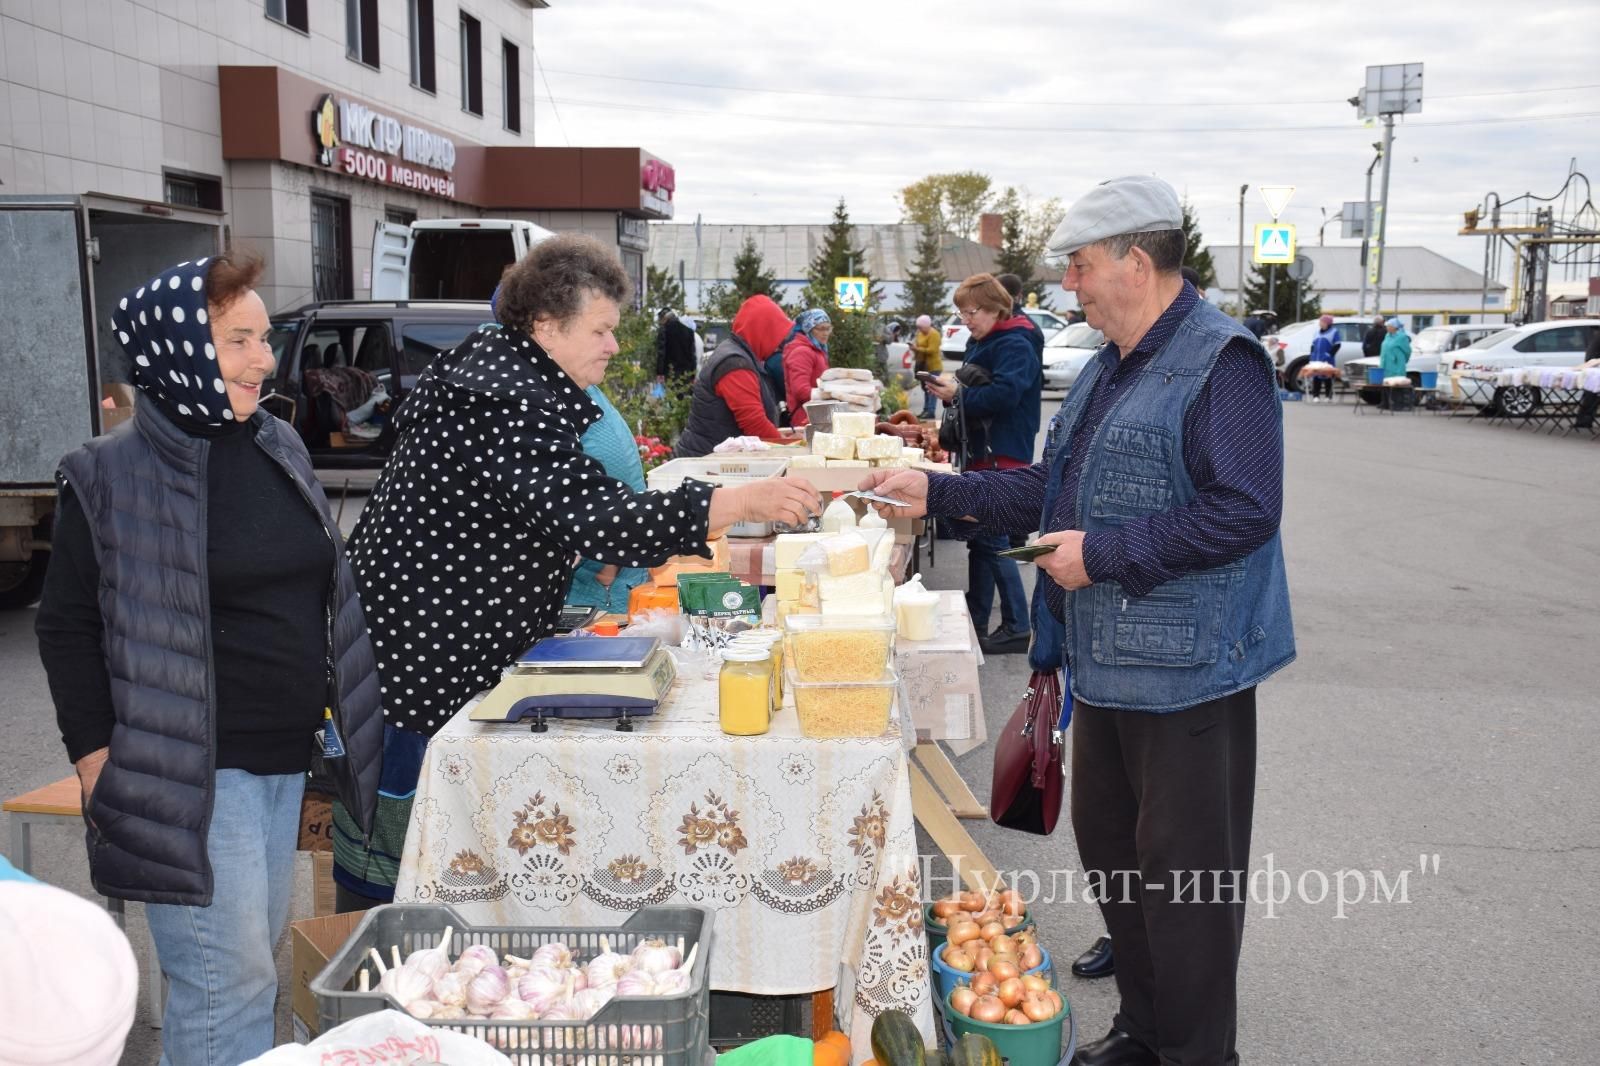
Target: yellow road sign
1274,243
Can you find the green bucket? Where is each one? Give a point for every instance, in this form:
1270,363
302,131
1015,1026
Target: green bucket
936,929
1036,1044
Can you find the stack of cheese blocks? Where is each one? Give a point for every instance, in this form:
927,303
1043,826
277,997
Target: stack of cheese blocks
846,576
850,385
853,443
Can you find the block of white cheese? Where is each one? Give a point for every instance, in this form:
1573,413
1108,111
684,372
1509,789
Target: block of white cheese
847,553
848,464
833,446
878,448
858,424
787,548
790,582
808,462
897,463
869,593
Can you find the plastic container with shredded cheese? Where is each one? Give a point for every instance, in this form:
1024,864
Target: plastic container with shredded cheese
844,708
838,648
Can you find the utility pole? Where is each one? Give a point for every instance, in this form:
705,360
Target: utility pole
1366,228
1383,206
1240,295
1390,90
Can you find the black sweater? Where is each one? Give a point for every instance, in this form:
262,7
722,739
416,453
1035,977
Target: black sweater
269,565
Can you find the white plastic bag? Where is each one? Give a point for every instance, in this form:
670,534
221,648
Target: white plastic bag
387,1038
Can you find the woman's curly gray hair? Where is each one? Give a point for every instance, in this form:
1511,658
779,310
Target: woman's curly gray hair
556,277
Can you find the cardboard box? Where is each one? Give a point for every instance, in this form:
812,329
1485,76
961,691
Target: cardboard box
316,823
312,943
323,897
116,405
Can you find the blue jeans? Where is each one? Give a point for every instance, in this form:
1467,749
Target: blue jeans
222,978
985,570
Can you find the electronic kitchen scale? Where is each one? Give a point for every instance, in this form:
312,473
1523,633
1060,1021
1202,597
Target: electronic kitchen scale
582,676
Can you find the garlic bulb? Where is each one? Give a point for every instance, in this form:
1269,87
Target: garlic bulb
590,1000
451,989
542,987
513,1009
555,955
636,983
607,967
422,1008
487,990
672,983
401,982
474,958
435,961
653,956
563,1011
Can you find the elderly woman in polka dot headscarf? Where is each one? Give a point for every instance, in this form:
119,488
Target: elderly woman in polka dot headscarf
466,548
203,643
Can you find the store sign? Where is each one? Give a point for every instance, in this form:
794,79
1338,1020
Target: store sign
657,182
633,233
357,140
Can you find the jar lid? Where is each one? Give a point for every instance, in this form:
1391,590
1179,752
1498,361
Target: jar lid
758,636
745,653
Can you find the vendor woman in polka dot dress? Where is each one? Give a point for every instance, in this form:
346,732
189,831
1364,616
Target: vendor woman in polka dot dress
466,547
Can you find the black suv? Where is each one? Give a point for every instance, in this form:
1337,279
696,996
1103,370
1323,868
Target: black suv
392,341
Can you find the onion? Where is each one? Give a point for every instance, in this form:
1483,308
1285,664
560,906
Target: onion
1011,902
1004,968
1031,958
957,959
1014,1016
1037,1008
985,983
1010,991
945,908
981,957
487,990
1032,982
961,1000
991,931
987,1009
971,901
961,932
1002,944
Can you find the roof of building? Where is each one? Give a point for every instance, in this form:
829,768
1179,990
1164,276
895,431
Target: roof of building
1338,268
787,251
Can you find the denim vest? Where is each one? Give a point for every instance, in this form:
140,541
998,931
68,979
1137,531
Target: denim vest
1198,637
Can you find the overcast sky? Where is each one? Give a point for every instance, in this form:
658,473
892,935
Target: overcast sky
863,97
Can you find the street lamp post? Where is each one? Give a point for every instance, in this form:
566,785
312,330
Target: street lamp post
1395,89
1366,228
1240,295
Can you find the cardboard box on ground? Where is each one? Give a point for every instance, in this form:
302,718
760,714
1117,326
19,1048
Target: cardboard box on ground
313,942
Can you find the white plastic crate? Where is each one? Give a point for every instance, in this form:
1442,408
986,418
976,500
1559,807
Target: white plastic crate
717,469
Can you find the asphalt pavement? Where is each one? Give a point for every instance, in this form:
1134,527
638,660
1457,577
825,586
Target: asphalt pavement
1443,705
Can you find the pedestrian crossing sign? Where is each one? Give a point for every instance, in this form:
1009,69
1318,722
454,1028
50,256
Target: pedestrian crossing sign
850,294
1274,243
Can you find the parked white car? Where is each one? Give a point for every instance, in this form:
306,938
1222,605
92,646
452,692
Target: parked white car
954,335
1428,349
1068,352
1561,343
1290,347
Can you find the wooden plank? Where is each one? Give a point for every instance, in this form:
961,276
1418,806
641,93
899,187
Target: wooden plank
971,864
821,1013
63,797
961,801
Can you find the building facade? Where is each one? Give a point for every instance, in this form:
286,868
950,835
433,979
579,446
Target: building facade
294,127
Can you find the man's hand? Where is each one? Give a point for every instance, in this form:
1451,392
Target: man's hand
89,768
908,485
1065,564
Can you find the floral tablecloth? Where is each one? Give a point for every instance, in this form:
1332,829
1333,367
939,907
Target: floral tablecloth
804,849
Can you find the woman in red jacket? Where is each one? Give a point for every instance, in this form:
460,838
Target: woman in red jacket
731,395
804,359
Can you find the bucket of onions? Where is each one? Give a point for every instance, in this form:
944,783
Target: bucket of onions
982,911
1023,1016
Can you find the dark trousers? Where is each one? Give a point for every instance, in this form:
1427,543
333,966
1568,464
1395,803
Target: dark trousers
1321,385
1154,794
988,571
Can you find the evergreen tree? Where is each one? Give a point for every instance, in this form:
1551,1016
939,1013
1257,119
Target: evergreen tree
926,283
1019,253
662,289
749,279
1194,249
1284,304
838,258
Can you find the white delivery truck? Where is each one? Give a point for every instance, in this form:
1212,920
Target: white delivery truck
447,258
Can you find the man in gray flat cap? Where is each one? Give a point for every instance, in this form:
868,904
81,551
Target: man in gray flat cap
1165,598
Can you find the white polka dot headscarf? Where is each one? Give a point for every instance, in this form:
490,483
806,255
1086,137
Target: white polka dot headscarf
164,328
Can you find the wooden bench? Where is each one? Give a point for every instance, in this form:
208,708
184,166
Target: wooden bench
61,803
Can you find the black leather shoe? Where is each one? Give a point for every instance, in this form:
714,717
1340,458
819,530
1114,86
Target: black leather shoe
1097,961
1117,1049
1004,642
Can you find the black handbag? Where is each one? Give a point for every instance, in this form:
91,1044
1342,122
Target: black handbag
1028,780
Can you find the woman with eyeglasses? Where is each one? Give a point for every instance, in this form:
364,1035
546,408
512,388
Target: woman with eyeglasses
998,394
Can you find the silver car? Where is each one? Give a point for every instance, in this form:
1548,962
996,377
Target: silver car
1067,352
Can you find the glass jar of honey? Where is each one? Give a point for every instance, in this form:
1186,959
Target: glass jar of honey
744,690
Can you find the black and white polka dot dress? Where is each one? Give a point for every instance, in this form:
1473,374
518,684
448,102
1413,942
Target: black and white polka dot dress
467,544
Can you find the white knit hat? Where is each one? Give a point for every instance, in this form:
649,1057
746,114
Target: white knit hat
69,977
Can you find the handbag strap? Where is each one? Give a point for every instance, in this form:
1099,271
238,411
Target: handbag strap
1044,696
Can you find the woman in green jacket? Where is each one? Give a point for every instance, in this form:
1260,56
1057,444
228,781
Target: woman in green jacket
1396,351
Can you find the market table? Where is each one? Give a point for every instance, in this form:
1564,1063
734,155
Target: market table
804,848
1565,395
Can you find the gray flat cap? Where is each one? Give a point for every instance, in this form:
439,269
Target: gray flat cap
1135,204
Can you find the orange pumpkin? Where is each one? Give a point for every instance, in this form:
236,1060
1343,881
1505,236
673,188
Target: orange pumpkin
827,1052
